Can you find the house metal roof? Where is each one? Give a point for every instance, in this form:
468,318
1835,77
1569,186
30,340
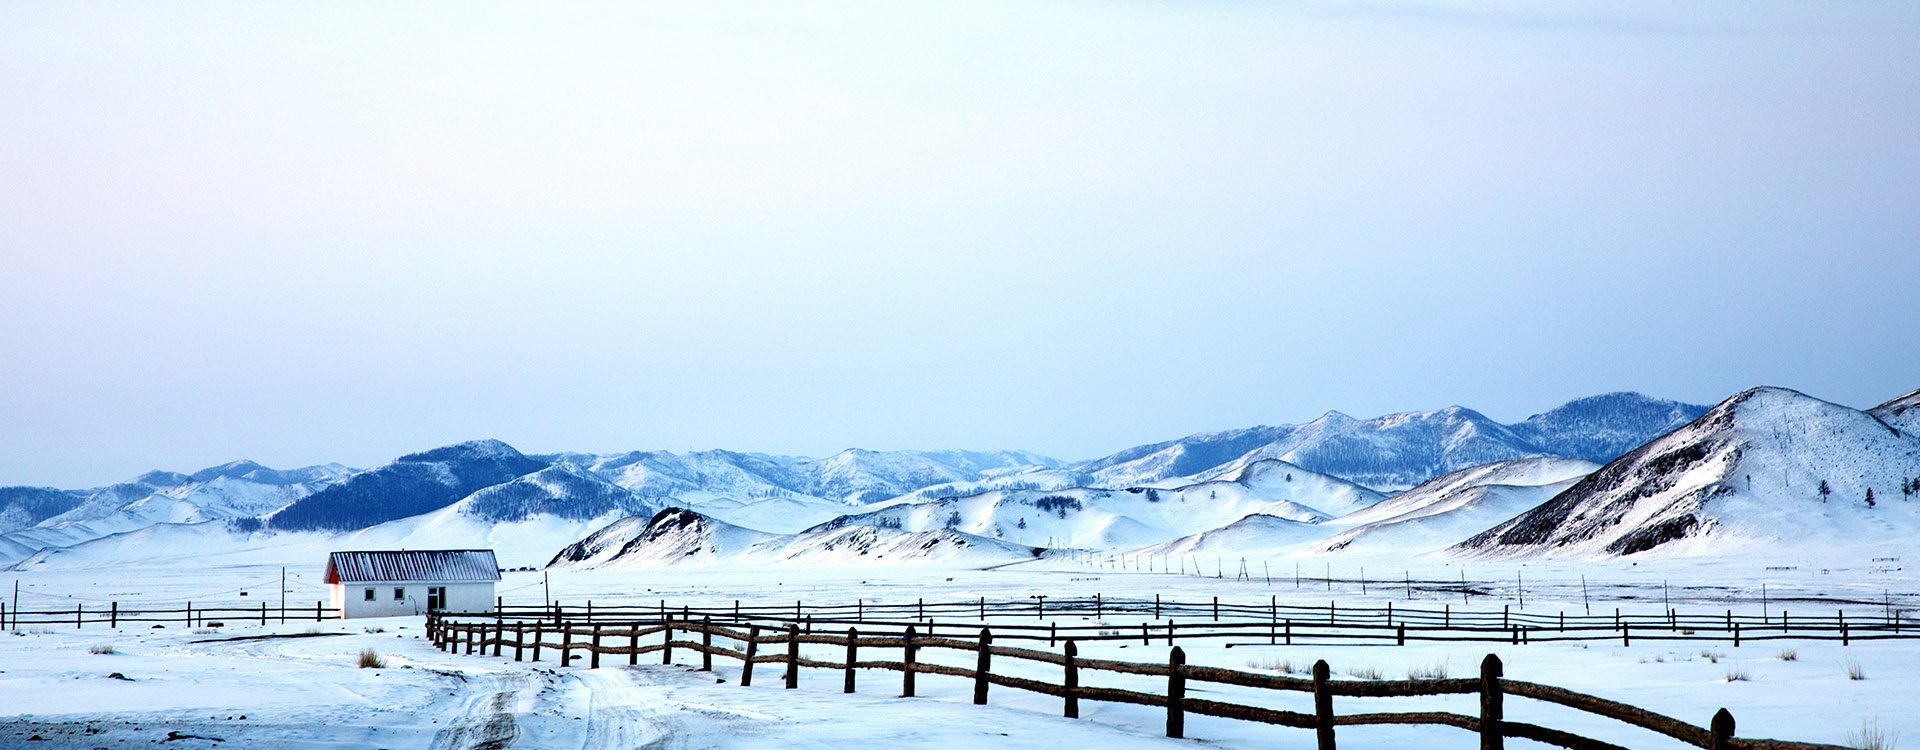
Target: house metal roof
412,565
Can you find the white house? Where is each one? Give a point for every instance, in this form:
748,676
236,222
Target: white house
409,582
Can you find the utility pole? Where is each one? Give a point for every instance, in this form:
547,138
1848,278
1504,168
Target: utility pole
546,586
283,594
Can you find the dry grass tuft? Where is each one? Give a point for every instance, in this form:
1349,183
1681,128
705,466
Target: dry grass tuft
1855,671
1283,666
370,659
1366,673
1738,675
102,649
1787,654
1872,736
1434,672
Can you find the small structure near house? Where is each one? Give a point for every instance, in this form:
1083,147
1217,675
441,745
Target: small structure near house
390,583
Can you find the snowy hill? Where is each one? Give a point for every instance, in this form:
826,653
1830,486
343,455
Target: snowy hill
1903,413
1601,428
238,490
677,536
21,507
1441,494
1769,470
563,491
1388,452
850,477
1436,515
411,485
1103,518
1258,534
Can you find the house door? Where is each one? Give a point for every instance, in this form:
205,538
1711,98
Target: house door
436,598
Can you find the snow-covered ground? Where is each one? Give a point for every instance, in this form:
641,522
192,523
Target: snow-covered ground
306,692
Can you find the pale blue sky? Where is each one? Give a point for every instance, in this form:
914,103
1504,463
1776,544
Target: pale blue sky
303,233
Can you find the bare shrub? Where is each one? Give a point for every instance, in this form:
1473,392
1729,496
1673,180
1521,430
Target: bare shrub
370,659
1283,666
1872,736
1434,672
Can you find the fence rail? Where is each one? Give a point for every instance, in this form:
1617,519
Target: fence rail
1277,622
112,615
576,635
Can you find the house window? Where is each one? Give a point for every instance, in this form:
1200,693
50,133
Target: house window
399,594
369,596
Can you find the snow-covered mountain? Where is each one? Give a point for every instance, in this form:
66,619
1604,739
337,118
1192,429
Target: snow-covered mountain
562,490
1259,535
677,536
411,485
1388,452
1903,413
1105,518
1439,513
850,477
21,507
1768,469
238,490
1401,450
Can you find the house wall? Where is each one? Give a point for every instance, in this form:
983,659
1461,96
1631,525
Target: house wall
350,598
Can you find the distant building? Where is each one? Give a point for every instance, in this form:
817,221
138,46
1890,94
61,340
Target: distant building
411,582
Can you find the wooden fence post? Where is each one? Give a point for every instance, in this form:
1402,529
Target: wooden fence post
499,636
753,647
1289,627
1736,635
1720,732
981,666
1098,608
1492,710
316,612
594,662
706,644
1143,635
1216,609
539,635
908,653
1400,635
666,641
1169,631
793,656
1156,606
114,622
853,652
190,615
566,645
1322,706
471,634
1072,683
519,640
983,609
1176,693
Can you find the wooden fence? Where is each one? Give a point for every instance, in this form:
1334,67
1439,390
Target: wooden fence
1277,623
570,639
112,615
